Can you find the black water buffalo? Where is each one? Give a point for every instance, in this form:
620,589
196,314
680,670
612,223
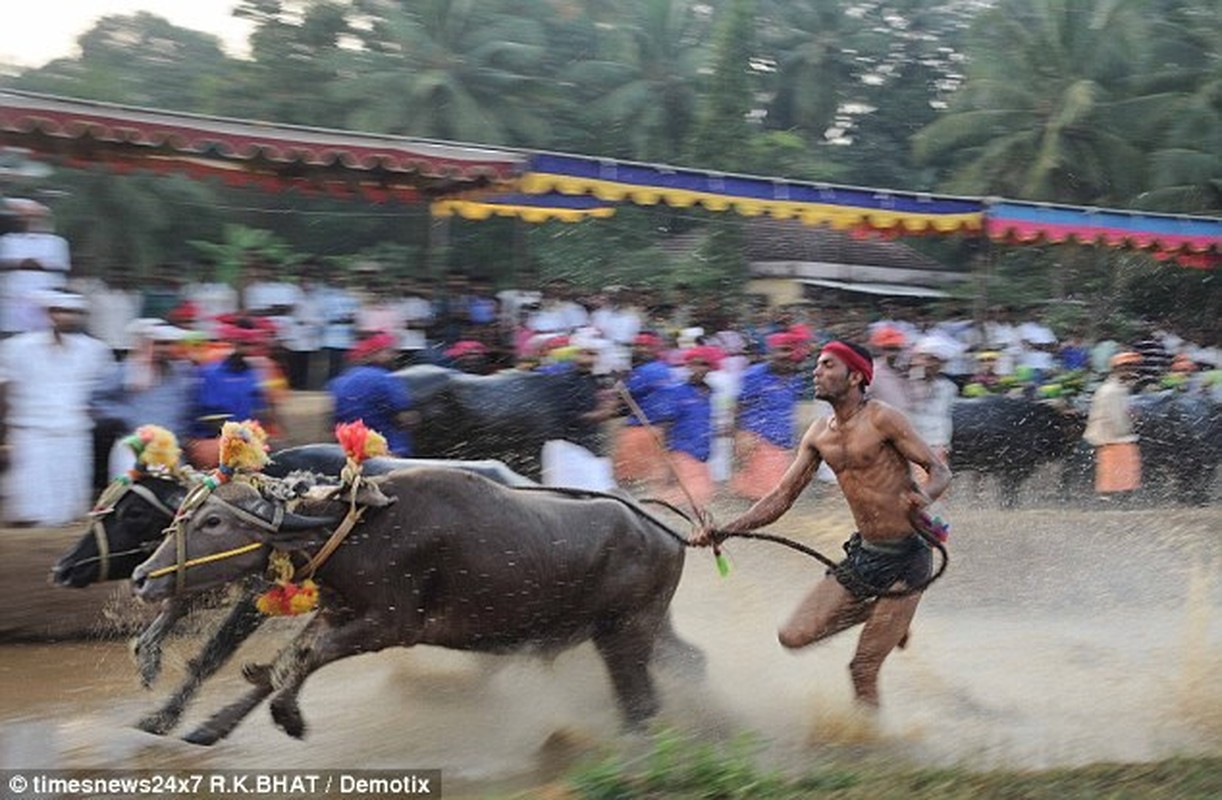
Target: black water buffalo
1180,437
507,416
449,559
1010,437
120,540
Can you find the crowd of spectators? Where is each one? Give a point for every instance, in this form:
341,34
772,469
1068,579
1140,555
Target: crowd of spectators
189,352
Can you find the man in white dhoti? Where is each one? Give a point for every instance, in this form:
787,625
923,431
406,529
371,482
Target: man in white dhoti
47,379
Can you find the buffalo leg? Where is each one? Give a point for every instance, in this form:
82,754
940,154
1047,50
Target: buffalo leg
147,648
243,620
627,651
222,723
318,645
676,652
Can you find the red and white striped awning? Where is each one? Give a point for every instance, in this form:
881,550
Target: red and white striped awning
245,152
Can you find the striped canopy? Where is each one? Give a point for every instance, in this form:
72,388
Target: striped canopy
478,182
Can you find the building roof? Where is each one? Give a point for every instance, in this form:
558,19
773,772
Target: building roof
252,152
790,240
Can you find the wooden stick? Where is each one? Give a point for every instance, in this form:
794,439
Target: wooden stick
701,515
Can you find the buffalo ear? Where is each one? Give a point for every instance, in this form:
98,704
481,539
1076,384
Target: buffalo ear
370,494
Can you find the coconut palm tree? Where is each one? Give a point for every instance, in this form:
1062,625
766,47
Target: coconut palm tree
1035,116
811,45
449,69
1185,70
646,82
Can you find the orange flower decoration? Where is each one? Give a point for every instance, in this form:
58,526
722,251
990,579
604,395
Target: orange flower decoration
360,442
288,599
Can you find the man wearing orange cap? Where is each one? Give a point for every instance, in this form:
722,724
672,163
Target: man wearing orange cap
369,391
767,405
870,446
1109,429
889,383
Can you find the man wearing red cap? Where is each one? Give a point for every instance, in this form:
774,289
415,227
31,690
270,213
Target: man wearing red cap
767,402
369,391
468,356
232,388
870,446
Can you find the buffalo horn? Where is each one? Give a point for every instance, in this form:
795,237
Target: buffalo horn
301,522
274,517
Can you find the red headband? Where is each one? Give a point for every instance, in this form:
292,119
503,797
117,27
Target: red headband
851,358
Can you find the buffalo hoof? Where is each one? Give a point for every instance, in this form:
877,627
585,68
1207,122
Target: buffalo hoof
288,716
258,675
204,735
148,663
158,723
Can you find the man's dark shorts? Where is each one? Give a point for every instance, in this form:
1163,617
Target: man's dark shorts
870,569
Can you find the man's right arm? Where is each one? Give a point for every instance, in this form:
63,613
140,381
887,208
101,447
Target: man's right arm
772,506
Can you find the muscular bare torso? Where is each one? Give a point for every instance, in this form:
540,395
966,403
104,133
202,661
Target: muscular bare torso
872,473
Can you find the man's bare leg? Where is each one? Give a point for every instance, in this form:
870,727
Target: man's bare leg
828,609
886,628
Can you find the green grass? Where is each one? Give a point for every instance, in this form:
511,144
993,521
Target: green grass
681,769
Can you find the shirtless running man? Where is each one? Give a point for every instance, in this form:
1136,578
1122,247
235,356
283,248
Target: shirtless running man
870,446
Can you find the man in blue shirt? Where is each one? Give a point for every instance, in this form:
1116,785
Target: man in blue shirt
687,410
767,402
369,391
635,455
229,389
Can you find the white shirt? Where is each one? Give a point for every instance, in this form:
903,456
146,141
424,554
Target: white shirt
304,326
339,309
930,403
260,296
111,313
49,250
620,325
212,300
1109,421
49,384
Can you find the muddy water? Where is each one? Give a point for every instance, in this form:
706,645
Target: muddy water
1057,637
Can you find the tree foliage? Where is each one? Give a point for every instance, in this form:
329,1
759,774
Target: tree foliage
1108,102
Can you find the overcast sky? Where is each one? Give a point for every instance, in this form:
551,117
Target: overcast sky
37,31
